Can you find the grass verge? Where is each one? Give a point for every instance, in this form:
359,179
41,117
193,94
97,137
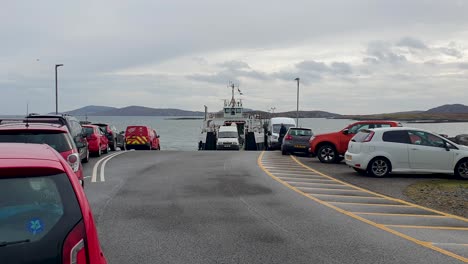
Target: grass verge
450,196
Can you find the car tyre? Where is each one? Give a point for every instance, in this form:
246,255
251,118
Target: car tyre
99,153
106,150
284,152
461,169
379,167
113,147
86,159
327,154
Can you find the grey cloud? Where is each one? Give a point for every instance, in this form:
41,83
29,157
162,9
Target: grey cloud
381,52
411,43
234,65
453,52
463,66
312,66
341,68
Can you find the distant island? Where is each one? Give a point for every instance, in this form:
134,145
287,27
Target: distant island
444,113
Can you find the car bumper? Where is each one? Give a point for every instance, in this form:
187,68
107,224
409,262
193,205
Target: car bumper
227,147
358,161
295,148
138,146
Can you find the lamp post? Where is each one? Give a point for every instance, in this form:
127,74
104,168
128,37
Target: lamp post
297,110
56,88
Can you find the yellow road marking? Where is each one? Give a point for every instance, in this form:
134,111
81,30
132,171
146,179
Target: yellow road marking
352,196
326,189
371,204
381,195
292,179
321,183
382,227
390,214
430,227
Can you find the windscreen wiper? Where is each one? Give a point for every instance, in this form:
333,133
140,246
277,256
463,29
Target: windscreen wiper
8,243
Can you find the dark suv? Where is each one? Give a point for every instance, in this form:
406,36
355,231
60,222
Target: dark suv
115,138
73,126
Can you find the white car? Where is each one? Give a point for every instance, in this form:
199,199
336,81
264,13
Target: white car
383,150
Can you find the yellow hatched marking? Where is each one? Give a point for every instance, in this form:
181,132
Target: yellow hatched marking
342,195
430,227
371,204
380,226
390,214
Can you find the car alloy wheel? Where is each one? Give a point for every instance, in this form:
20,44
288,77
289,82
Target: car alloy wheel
327,154
379,168
462,169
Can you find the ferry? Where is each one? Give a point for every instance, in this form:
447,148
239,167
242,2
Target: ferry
250,127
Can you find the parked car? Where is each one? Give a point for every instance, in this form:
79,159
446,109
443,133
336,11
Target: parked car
45,216
116,140
73,126
330,147
97,140
143,137
382,151
54,135
296,140
274,126
228,138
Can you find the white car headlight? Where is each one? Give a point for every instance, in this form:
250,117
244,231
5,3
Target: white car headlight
275,137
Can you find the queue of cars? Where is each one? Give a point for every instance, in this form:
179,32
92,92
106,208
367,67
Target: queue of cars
43,207
378,148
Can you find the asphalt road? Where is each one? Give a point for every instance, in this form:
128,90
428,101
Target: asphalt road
221,207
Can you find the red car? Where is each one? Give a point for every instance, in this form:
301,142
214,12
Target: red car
330,147
44,214
54,135
141,137
97,140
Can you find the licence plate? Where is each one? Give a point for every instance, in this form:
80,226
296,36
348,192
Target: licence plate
349,157
299,146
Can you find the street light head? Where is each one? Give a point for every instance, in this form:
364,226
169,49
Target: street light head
297,79
58,65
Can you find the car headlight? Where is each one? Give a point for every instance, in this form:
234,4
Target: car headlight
275,137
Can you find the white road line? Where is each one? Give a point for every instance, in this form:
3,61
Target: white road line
86,177
104,165
96,166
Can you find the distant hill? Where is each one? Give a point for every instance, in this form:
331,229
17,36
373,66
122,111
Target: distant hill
90,110
131,111
449,109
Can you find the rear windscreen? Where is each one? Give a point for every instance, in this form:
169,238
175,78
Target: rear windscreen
361,136
60,141
88,131
300,132
227,134
36,214
277,127
136,130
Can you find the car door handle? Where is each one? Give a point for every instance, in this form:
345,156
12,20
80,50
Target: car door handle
414,149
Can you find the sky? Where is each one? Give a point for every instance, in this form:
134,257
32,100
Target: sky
352,57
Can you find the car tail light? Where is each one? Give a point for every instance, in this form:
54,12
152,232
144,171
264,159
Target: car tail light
288,137
74,161
369,137
74,247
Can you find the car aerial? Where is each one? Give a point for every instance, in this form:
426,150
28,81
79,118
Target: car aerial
381,151
73,126
54,135
296,140
274,126
228,138
97,140
116,139
141,137
330,147
44,214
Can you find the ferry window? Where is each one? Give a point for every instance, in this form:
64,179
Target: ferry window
226,110
238,110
